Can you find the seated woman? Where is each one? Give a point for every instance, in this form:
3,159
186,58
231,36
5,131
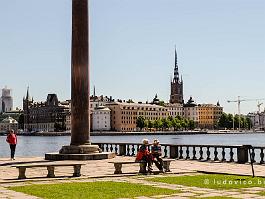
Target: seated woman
145,155
156,153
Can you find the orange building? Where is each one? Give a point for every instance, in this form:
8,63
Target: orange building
124,115
209,115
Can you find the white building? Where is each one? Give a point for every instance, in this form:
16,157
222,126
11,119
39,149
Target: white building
191,110
175,110
101,119
6,101
8,123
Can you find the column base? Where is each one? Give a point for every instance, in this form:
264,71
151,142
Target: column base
81,152
80,149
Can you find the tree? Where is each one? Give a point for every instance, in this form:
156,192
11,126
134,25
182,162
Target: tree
161,103
140,122
191,124
184,123
158,124
130,101
249,123
223,121
150,124
165,123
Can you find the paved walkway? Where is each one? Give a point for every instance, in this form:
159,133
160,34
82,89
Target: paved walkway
103,170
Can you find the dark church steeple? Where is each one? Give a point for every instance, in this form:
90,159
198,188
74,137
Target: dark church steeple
176,69
176,95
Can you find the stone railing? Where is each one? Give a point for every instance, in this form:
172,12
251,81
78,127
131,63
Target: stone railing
216,153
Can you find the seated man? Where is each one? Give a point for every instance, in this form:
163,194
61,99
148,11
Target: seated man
144,155
156,152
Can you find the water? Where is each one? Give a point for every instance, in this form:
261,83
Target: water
39,145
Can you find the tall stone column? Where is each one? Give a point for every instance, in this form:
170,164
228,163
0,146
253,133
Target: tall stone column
80,147
80,74
80,110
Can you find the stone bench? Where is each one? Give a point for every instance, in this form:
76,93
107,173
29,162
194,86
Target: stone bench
50,167
118,165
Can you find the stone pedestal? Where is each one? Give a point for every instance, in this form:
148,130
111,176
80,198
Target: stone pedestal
80,149
81,152
90,156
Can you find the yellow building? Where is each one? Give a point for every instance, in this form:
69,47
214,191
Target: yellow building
124,115
209,115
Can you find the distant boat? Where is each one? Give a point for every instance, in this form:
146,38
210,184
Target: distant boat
224,131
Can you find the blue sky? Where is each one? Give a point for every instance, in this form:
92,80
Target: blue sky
220,45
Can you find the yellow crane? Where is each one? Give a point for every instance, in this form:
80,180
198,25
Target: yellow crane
238,101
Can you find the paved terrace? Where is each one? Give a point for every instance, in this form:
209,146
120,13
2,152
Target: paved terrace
96,170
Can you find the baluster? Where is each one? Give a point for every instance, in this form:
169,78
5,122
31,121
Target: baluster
128,150
231,155
107,148
215,154
165,151
261,156
208,153
253,155
138,147
116,148
201,153
194,153
180,153
187,153
101,146
111,148
133,150
223,154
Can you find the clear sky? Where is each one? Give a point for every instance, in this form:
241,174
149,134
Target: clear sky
220,45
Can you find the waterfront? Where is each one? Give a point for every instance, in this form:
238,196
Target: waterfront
39,145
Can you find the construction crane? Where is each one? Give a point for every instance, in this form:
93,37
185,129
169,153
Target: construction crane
259,105
238,106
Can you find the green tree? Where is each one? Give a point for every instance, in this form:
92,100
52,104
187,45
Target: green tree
191,124
150,124
223,121
249,123
161,103
140,122
230,121
184,123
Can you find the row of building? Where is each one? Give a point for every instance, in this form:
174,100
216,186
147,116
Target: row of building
117,115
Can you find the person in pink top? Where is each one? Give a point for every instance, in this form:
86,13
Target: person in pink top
12,140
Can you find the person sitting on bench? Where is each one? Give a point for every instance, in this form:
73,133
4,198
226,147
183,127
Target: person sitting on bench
156,153
145,155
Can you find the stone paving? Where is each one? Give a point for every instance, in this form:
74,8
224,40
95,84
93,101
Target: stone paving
102,170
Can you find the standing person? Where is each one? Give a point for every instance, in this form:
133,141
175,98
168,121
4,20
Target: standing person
12,140
145,155
156,153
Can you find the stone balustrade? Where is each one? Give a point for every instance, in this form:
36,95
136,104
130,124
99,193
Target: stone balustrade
214,153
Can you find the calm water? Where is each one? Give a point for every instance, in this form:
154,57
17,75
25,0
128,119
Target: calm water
38,146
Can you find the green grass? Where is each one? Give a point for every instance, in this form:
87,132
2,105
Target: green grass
213,181
262,193
218,197
92,190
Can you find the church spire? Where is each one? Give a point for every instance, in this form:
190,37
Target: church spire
27,96
176,69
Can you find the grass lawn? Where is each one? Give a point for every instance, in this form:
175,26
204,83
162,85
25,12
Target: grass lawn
213,181
92,190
